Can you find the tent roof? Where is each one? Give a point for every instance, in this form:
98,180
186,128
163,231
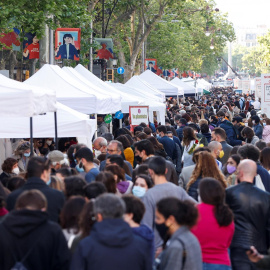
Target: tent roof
127,99
162,85
187,88
145,88
18,99
115,99
69,91
70,123
145,100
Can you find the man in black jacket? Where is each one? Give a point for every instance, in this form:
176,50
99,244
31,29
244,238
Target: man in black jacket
111,243
27,236
38,172
251,208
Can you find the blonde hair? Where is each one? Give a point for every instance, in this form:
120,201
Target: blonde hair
206,167
203,121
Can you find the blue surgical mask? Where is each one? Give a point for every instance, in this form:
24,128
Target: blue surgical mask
264,124
49,182
79,169
138,191
27,154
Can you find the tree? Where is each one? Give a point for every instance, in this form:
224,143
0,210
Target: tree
173,31
32,16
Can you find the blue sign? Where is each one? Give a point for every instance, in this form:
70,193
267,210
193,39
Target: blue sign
119,115
120,70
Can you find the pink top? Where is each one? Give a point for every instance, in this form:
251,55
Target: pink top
214,240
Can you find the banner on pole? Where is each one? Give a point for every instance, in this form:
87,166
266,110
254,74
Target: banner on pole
258,87
265,94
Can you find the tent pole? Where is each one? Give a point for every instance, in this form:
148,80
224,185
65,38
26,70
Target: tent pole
120,123
177,100
96,126
31,136
55,128
111,127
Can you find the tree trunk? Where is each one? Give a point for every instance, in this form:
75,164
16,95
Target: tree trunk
44,48
12,63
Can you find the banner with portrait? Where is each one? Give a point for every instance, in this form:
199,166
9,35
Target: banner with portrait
105,48
150,64
67,43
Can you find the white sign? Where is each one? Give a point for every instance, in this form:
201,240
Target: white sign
235,83
138,115
240,85
258,87
245,86
265,94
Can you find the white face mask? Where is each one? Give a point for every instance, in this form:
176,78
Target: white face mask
49,142
16,170
97,153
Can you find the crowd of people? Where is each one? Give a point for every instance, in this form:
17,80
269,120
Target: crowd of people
191,194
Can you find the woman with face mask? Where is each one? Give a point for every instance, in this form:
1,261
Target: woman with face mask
230,169
10,169
266,130
141,185
173,220
22,154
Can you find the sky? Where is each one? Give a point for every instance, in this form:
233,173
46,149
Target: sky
246,12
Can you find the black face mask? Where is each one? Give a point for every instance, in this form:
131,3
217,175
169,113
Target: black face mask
138,159
162,230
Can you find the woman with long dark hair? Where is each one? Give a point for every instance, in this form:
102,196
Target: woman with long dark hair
215,227
206,166
249,135
189,139
173,220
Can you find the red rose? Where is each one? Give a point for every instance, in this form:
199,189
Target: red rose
196,141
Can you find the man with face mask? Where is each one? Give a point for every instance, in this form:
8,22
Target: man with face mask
216,151
251,207
162,189
38,172
100,146
144,150
101,126
229,129
85,160
219,135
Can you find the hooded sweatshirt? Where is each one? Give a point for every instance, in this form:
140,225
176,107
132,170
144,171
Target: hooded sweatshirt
112,245
146,233
25,230
124,187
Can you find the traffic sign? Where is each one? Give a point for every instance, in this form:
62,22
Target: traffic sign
120,70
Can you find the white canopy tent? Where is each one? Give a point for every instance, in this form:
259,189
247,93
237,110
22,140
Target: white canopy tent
18,99
115,102
204,84
148,90
188,89
70,124
154,106
127,99
70,91
162,85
